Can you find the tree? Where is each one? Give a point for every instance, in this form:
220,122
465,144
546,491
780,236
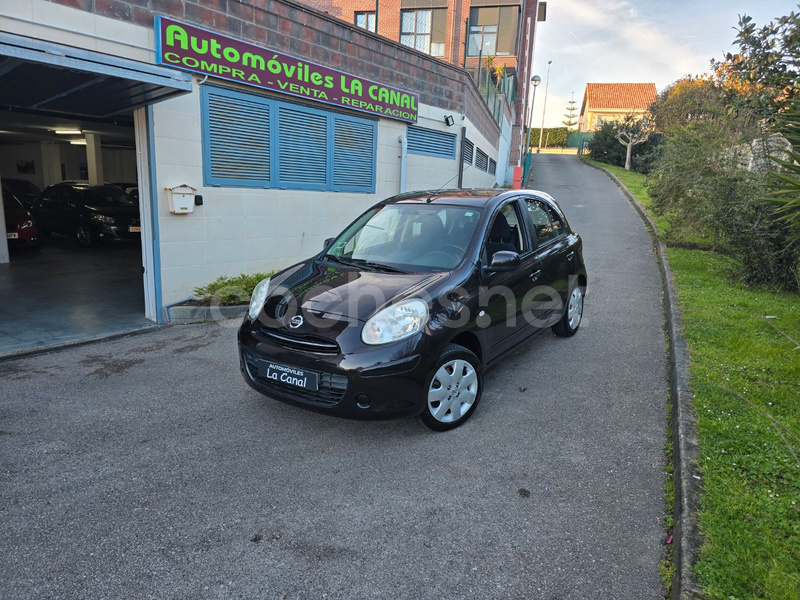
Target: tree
631,132
767,65
571,114
685,101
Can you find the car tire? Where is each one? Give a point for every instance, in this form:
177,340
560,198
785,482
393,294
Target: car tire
84,236
46,233
453,389
568,325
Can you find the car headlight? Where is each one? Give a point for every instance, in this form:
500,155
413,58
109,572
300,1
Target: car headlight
395,322
102,218
26,225
258,298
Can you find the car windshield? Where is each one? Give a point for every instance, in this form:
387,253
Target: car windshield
10,201
23,187
107,196
408,237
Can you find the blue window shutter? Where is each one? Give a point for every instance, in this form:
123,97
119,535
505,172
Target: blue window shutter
236,138
353,155
429,142
302,148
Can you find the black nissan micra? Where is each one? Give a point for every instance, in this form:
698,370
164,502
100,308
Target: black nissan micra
400,314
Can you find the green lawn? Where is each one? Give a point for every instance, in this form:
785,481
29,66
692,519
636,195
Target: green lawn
745,374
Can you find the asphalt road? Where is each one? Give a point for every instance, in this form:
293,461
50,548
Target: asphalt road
146,468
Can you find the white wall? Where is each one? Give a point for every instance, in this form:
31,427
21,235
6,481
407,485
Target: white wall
245,230
119,164
11,153
251,230
474,177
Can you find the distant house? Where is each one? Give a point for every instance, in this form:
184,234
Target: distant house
604,102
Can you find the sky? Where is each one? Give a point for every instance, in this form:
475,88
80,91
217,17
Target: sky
633,41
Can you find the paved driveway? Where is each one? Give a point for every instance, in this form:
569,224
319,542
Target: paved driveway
145,467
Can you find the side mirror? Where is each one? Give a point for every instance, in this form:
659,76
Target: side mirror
503,260
326,244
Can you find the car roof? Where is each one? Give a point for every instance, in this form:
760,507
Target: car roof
478,197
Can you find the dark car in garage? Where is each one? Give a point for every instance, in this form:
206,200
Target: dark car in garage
21,228
402,312
89,213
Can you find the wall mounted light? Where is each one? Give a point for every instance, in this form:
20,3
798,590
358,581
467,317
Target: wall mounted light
67,131
448,120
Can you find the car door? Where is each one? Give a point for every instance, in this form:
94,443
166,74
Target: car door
503,294
47,208
551,249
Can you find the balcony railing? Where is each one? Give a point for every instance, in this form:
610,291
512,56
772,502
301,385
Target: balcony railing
494,92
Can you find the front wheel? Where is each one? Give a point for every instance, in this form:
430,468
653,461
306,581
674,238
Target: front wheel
569,323
84,236
454,389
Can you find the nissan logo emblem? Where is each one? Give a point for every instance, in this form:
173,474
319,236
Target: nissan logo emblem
295,321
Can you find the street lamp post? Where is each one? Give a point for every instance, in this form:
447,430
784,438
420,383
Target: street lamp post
535,81
544,108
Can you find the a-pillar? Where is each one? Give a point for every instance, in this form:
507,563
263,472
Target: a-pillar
94,158
51,163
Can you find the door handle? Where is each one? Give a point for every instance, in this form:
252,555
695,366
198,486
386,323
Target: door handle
535,275
571,255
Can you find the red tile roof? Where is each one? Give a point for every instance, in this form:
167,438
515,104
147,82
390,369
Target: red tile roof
618,95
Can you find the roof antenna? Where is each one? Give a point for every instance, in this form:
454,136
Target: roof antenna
432,194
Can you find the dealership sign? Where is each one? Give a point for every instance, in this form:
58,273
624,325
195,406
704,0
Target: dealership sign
201,51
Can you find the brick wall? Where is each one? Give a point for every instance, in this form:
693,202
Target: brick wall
307,33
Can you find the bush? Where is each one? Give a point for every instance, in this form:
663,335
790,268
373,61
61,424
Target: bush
230,291
605,147
554,137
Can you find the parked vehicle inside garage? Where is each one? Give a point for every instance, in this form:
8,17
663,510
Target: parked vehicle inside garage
90,213
25,191
21,228
401,313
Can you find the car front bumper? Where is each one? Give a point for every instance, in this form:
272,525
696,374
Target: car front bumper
381,382
115,233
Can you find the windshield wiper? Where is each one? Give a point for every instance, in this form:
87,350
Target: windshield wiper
379,266
343,261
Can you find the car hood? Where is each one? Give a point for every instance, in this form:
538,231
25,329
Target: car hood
16,216
339,290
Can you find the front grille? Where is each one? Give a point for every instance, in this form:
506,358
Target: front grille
332,386
307,343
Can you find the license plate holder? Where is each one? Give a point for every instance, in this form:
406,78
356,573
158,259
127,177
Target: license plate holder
286,375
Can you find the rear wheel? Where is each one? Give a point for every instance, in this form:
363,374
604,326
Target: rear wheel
569,323
454,389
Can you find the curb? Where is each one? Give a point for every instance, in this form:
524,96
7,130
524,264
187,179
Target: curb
183,315
687,538
27,352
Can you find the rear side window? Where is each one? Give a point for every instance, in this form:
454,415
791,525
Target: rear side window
544,223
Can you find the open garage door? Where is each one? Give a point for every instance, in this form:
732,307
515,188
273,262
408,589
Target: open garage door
81,257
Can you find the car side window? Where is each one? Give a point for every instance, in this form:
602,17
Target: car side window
506,232
558,226
544,224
